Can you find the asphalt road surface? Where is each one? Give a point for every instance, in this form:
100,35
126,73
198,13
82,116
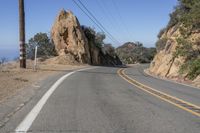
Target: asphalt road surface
98,100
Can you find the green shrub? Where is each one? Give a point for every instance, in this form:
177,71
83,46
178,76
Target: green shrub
94,38
184,48
160,44
161,32
192,60
192,68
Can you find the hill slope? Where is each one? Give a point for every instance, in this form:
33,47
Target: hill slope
178,46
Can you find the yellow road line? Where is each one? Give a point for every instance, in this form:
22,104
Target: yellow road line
189,107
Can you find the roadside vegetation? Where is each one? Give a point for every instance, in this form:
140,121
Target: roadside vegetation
94,38
128,53
46,48
186,17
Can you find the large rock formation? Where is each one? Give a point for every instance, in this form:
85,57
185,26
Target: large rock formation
69,39
71,43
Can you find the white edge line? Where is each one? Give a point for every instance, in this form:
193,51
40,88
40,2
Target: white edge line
31,116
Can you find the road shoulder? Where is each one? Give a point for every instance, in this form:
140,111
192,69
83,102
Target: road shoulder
14,102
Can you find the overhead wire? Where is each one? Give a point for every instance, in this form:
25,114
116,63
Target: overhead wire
114,23
98,21
121,19
95,20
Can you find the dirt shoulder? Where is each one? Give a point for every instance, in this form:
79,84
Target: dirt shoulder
13,79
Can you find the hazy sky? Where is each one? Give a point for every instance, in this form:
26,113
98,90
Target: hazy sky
126,20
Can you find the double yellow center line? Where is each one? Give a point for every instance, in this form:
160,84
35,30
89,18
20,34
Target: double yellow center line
194,109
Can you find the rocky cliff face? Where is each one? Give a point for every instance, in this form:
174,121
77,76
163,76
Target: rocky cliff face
72,44
178,46
163,63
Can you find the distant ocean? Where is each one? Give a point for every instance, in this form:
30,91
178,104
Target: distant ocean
10,54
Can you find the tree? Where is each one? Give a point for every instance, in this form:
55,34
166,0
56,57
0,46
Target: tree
99,37
161,32
95,38
44,44
109,49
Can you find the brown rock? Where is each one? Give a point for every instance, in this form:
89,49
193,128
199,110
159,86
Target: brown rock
69,38
164,63
72,45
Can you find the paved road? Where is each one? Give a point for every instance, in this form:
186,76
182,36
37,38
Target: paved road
99,101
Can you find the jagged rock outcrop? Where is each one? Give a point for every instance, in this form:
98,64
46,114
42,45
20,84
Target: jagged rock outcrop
164,63
71,43
69,39
178,46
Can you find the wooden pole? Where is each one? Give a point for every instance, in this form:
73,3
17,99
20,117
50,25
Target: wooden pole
22,34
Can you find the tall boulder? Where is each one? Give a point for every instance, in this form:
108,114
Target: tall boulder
73,46
69,38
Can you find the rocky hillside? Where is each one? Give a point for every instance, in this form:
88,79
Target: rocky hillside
130,53
178,46
76,44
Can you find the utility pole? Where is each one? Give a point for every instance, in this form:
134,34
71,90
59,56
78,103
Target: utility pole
22,34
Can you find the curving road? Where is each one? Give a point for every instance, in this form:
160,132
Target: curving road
98,100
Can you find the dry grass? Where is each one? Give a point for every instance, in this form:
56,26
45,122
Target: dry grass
14,79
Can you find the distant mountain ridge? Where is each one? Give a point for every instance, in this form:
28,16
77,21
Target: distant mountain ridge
131,52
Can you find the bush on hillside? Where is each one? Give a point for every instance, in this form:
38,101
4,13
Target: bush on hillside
187,14
160,44
94,38
109,49
161,32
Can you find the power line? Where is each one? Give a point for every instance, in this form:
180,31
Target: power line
88,15
98,21
110,16
120,16
117,21
95,20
